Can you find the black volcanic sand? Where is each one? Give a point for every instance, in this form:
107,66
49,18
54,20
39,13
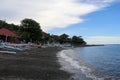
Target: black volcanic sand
34,64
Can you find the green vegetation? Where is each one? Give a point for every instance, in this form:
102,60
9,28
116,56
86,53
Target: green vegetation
13,27
30,31
63,38
76,40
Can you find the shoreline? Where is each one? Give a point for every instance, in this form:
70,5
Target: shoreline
35,64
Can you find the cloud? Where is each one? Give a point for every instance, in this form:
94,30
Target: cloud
103,40
50,13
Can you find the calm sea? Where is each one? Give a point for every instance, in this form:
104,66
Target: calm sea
92,63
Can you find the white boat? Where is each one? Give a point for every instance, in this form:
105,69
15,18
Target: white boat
4,45
8,52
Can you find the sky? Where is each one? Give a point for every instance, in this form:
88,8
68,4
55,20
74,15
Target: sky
97,21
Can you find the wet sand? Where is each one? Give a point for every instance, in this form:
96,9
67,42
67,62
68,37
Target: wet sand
34,64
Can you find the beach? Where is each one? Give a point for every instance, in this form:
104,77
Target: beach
34,64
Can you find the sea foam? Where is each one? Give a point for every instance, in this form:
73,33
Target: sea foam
76,64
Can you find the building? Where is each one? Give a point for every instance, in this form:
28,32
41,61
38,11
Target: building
7,35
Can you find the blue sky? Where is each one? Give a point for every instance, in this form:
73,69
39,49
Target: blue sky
96,20
104,23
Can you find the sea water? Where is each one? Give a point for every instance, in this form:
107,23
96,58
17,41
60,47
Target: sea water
92,63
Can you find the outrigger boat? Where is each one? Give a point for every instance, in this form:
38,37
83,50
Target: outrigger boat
8,52
4,45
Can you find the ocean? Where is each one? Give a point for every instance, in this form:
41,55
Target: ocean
92,63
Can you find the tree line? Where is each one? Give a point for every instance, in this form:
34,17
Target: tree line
30,31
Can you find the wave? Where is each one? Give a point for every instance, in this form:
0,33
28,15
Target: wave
64,57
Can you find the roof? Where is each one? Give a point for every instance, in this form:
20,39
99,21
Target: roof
7,32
